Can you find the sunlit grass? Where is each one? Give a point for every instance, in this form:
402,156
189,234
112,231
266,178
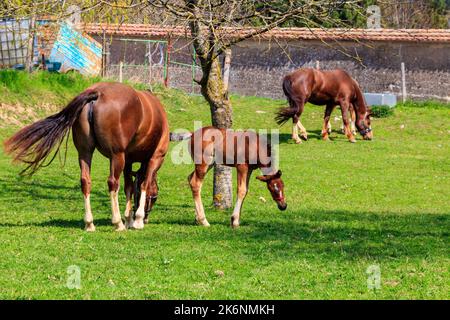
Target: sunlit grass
350,206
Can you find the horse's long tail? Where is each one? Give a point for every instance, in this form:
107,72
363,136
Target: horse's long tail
284,114
33,144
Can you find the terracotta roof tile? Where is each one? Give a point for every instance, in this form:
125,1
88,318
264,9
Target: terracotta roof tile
422,35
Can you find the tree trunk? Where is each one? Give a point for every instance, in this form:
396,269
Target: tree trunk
221,117
213,90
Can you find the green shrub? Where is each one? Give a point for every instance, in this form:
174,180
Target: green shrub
382,111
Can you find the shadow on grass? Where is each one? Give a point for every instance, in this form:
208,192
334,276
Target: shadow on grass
43,191
60,223
336,135
341,234
336,234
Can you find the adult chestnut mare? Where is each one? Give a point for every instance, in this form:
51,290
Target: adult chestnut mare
330,88
123,124
244,150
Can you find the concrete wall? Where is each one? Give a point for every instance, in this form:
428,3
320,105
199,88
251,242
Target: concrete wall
257,67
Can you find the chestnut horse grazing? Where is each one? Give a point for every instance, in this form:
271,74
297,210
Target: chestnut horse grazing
244,150
123,124
330,88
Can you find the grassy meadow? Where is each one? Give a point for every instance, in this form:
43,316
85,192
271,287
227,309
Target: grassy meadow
352,208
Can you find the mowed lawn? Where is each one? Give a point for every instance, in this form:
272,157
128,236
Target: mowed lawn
351,208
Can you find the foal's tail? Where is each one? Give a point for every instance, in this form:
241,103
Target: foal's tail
284,114
34,143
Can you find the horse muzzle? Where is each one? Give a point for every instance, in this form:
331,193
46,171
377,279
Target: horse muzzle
367,134
282,205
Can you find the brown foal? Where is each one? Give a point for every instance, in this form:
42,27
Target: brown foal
330,88
244,150
124,125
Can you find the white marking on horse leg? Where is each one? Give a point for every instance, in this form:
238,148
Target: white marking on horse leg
138,223
116,218
303,132
128,213
295,134
200,216
352,127
88,218
236,213
329,127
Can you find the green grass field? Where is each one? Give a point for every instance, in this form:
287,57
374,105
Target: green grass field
350,206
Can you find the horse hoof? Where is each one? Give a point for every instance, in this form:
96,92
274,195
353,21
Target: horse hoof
235,222
90,228
298,141
146,221
352,140
129,224
203,223
304,138
138,224
120,227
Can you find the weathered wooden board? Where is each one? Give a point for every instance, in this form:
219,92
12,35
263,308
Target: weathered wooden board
76,51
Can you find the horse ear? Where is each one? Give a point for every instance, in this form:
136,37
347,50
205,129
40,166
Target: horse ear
262,178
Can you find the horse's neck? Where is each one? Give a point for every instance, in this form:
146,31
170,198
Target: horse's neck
359,104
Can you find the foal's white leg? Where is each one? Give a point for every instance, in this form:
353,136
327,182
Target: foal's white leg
116,218
242,177
329,127
235,218
195,183
88,218
200,216
138,222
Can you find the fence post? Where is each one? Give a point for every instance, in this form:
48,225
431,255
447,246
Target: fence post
30,46
104,54
120,71
150,64
194,64
403,82
169,49
226,69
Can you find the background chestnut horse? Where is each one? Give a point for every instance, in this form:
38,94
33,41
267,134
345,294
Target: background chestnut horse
330,88
244,150
124,124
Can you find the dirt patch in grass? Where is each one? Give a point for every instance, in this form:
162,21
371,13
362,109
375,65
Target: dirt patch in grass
20,115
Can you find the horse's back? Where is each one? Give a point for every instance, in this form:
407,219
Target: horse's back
231,147
154,127
123,120
322,86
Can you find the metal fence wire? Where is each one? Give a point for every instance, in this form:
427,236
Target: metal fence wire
152,61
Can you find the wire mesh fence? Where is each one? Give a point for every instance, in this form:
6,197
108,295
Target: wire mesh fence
154,61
